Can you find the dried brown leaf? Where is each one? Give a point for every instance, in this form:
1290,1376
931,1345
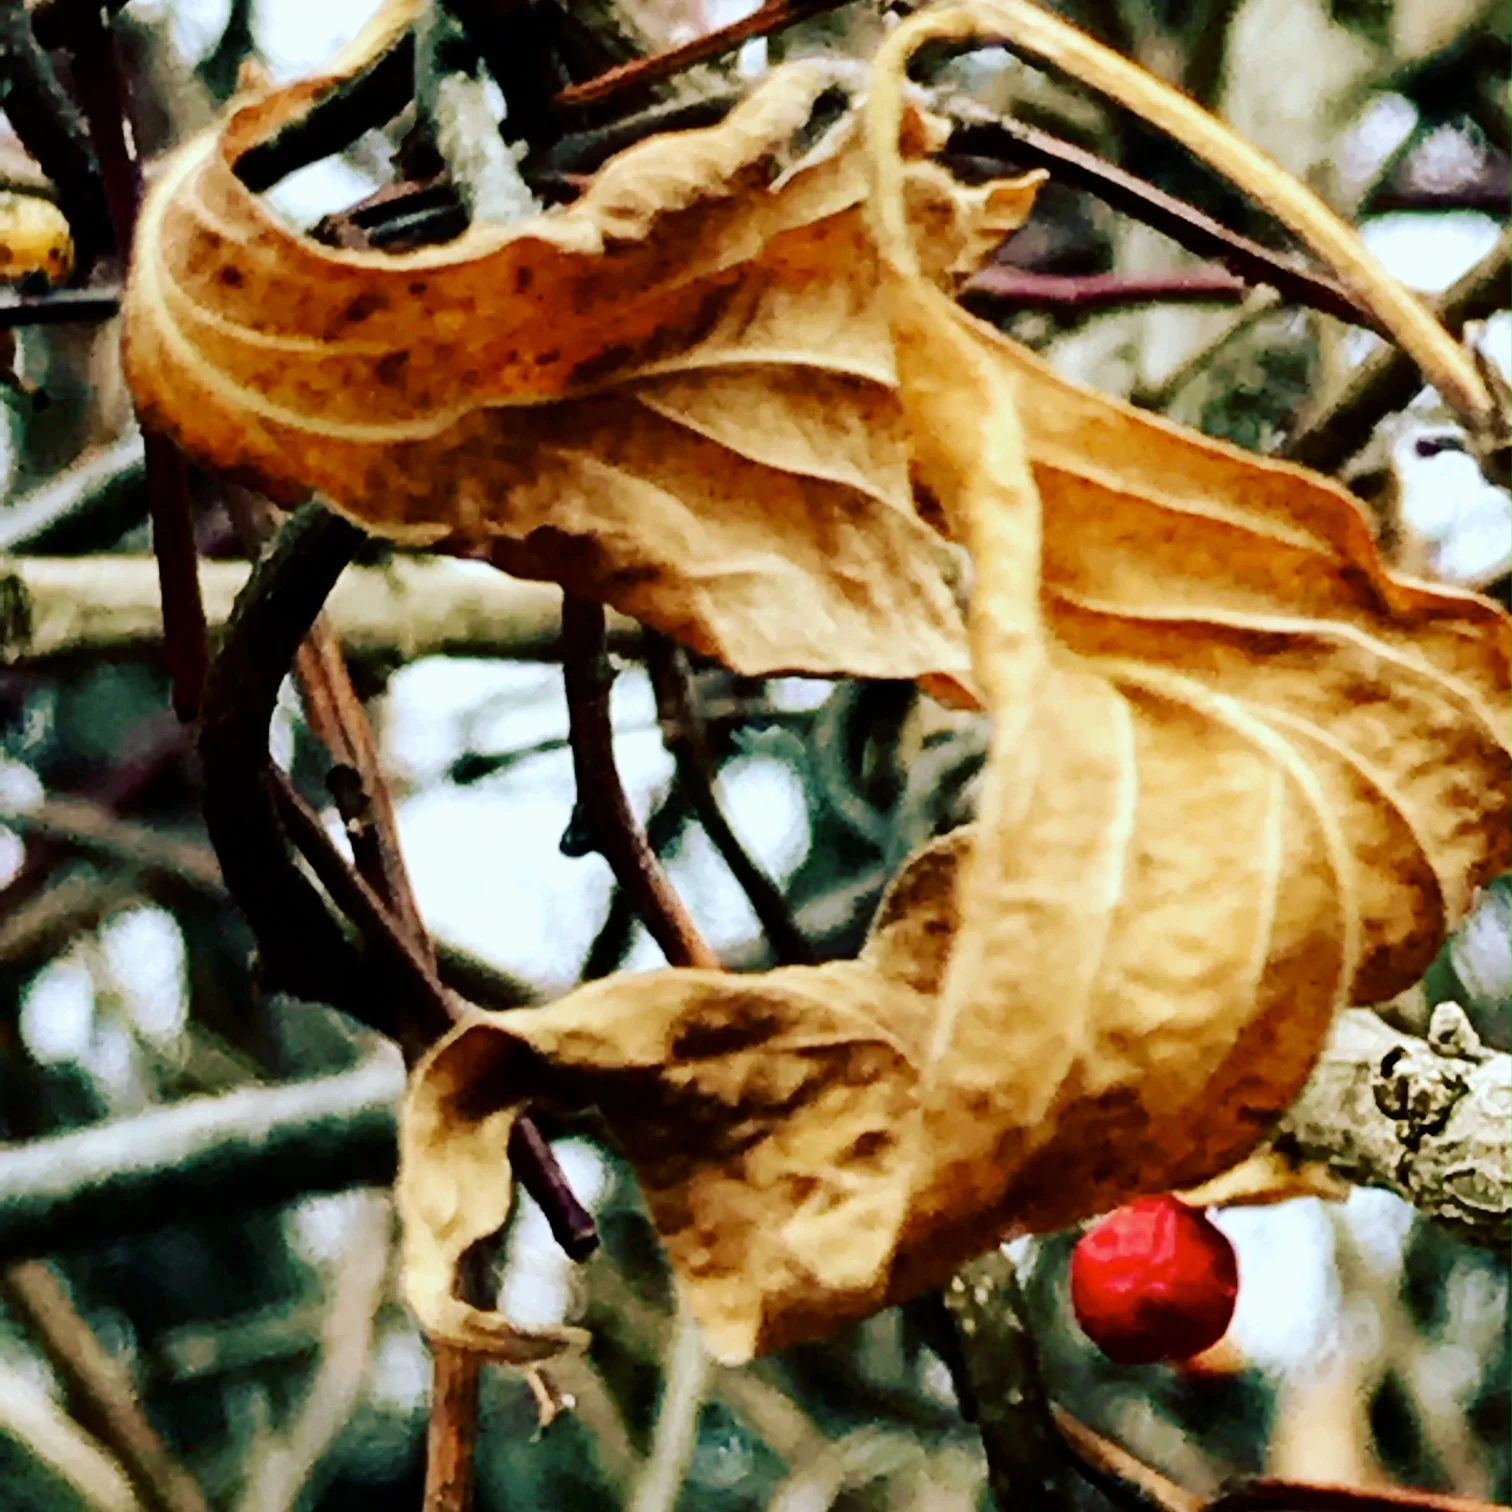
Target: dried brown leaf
1239,776
676,394
1239,773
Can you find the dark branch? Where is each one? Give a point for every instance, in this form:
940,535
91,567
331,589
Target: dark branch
684,736
363,102
774,16
303,948
1009,142
59,307
50,129
102,97
1387,380
997,1371
602,819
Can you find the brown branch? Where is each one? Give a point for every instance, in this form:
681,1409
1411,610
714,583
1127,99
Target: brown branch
1128,1482
100,1394
1387,380
102,99
774,16
1122,1477
356,782
1000,284
376,894
1010,142
602,820
1264,1495
684,737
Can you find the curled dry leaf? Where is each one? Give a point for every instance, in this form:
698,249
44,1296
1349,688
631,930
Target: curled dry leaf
676,395
1239,776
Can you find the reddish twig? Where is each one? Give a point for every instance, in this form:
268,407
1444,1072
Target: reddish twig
1010,142
356,782
1263,1495
451,1431
1001,284
1127,1481
774,16
102,99
602,820
684,737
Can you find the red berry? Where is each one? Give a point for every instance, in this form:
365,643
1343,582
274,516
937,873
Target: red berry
1155,1280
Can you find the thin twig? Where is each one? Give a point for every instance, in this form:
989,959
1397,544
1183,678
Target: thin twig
1000,284
774,16
684,736
102,98
100,1394
366,806
1027,147
1122,1477
59,306
430,1010
1128,1482
1387,380
602,818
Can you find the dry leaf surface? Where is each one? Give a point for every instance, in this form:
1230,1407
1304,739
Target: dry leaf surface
1240,776
676,394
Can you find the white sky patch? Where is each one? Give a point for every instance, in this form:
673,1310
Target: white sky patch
144,952
1288,1307
57,1011
331,185
297,38
1429,252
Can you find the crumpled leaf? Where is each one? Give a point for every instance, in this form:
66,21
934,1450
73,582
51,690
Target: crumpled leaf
1239,776
676,394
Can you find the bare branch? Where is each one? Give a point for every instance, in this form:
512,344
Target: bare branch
683,735
100,1393
1387,380
413,607
602,820
1425,1118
